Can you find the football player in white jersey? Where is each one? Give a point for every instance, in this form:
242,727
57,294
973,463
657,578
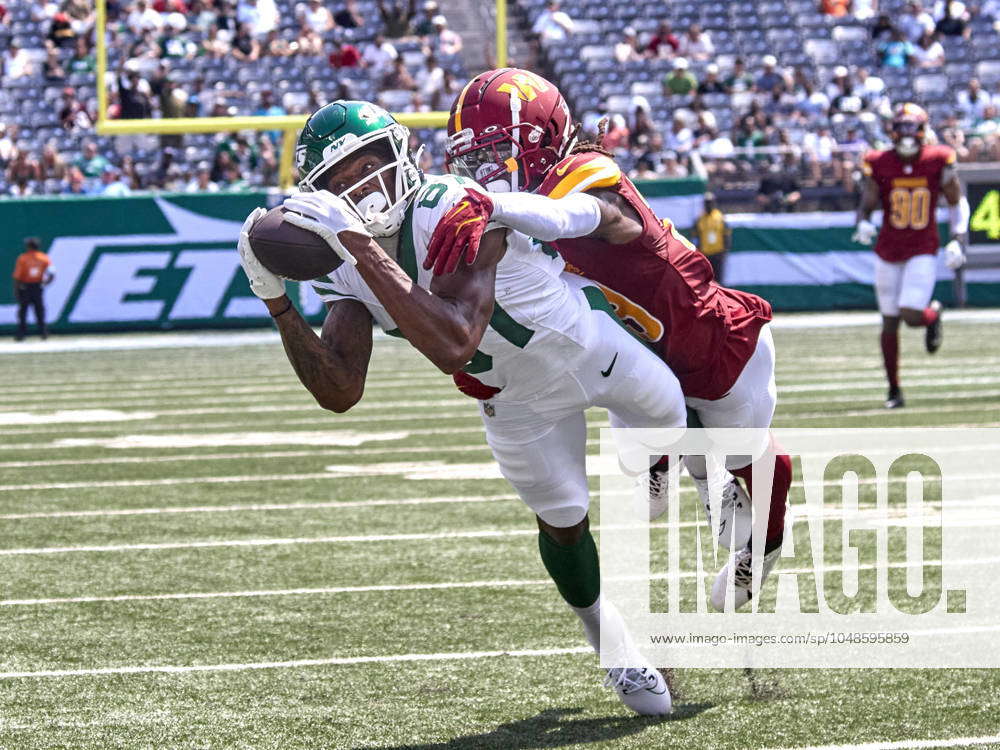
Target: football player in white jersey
536,346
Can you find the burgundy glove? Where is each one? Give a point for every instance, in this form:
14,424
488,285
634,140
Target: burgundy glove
458,233
470,386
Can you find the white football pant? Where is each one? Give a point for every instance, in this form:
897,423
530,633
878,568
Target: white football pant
749,403
907,284
540,444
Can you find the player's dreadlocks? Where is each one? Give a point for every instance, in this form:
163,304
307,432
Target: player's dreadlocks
596,145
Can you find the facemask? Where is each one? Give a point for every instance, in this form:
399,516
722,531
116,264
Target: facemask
908,146
371,205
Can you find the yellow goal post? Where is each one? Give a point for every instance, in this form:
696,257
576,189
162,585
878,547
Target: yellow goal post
288,124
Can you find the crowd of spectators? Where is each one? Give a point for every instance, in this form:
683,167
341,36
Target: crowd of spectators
160,54
791,126
736,120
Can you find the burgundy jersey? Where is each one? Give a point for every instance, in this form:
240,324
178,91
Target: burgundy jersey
661,286
909,193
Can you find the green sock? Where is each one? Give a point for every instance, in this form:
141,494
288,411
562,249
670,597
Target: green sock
575,569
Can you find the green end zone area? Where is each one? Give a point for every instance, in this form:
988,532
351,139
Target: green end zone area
192,508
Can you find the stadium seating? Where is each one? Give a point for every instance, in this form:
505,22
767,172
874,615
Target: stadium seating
797,34
32,103
802,39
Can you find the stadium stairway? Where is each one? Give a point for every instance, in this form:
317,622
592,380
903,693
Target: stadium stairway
475,20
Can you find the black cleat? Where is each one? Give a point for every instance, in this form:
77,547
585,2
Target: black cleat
895,398
933,335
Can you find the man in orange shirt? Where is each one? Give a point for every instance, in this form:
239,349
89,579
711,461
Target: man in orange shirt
32,271
835,8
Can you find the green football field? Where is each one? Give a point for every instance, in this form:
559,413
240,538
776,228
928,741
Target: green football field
194,555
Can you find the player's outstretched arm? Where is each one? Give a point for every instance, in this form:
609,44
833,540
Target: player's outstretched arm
447,322
446,328
333,368
865,232
958,219
334,365
601,213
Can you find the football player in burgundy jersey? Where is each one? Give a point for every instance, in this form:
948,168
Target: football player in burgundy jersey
511,131
905,181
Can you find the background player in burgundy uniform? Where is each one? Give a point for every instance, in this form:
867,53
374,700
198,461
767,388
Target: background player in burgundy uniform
511,131
906,181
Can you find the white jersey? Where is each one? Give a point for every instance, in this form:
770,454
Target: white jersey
540,325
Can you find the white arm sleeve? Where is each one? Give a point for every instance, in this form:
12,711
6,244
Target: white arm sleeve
958,216
546,219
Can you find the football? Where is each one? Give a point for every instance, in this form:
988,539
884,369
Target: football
290,251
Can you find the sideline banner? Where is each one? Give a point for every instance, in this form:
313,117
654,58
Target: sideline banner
168,261
807,261
157,262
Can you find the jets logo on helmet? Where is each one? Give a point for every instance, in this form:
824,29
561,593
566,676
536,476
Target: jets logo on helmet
342,128
909,129
507,128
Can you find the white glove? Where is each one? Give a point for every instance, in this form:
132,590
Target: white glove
323,213
263,283
954,256
864,233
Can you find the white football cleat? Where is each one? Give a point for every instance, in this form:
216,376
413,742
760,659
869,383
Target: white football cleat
659,492
642,689
740,569
735,512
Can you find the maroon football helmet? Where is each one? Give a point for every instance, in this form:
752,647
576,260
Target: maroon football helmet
508,128
909,129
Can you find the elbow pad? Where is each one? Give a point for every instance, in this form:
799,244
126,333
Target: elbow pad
546,219
958,216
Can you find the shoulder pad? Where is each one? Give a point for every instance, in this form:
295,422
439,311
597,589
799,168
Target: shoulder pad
580,172
947,155
868,162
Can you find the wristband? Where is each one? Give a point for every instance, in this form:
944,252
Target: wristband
958,216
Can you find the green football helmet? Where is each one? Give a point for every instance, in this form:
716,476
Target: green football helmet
342,128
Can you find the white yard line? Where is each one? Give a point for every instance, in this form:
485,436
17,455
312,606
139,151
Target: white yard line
316,417
992,739
475,585
276,592
101,442
267,337
853,398
271,542
255,507
879,383
136,394
818,375
359,538
415,470
43,406
167,482
299,663
27,419
252,408
242,385
249,403
880,411
320,452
